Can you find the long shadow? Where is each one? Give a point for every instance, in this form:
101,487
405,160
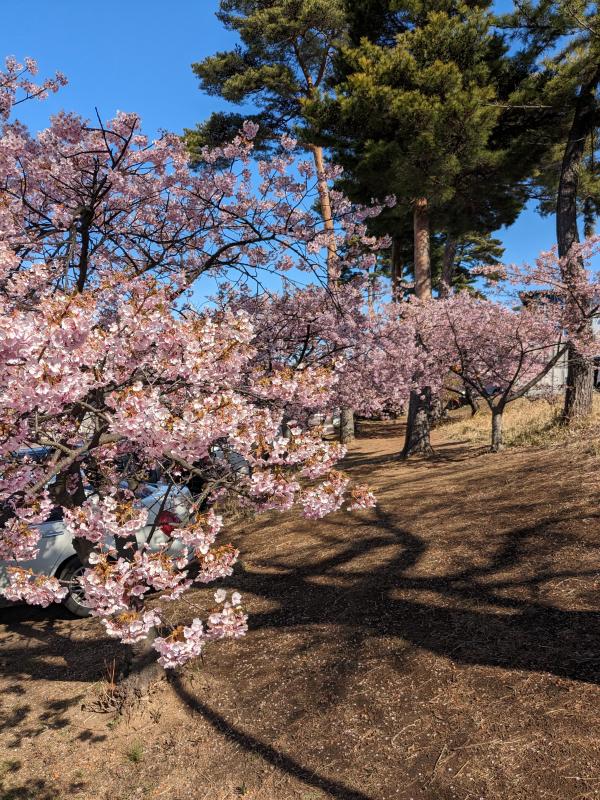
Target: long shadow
270,754
39,790
483,615
21,612
85,659
496,628
451,453
533,636
380,430
510,632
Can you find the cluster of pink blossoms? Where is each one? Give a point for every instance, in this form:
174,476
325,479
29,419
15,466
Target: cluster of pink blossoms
37,590
199,534
361,498
19,541
187,642
217,563
99,520
113,585
16,87
107,370
131,626
326,497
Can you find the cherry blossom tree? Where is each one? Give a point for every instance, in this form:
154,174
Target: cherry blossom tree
570,286
574,297
329,331
106,362
499,352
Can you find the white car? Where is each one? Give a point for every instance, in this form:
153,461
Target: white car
57,556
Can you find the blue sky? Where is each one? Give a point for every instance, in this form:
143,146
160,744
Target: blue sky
135,55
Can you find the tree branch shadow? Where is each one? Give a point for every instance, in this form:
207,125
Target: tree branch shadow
267,752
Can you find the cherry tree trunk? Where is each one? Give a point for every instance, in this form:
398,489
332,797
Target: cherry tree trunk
437,410
472,400
346,425
579,394
418,425
419,407
497,440
140,673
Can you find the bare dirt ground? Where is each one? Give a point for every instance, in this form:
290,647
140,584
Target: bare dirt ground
444,645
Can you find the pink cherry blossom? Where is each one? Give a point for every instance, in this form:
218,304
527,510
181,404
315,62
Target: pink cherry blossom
183,644
18,540
361,498
37,590
131,626
109,370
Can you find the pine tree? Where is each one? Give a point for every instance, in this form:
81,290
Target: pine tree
429,116
547,181
566,37
413,116
283,60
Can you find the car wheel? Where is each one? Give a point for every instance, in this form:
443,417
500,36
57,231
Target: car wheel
75,600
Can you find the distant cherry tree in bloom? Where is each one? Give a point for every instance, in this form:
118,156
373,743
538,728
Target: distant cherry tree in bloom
572,295
108,370
345,353
500,353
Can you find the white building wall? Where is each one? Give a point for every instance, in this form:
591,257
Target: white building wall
556,379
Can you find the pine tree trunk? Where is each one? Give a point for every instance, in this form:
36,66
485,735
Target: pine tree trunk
417,425
497,440
422,256
325,201
448,267
346,425
396,270
419,408
589,218
578,397
589,207
346,414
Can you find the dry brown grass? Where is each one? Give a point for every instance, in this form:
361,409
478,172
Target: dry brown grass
526,423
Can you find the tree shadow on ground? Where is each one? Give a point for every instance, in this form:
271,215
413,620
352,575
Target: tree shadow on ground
477,618
365,429
443,454
496,628
375,580
39,790
84,658
268,753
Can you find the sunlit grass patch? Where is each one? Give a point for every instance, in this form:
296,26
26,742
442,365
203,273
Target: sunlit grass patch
527,422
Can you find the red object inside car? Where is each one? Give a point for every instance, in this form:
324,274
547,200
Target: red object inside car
166,521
